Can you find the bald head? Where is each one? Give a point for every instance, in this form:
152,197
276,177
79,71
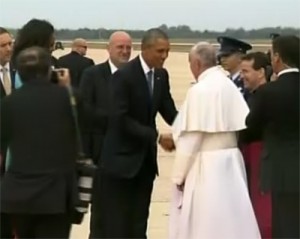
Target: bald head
119,48
118,35
202,56
79,45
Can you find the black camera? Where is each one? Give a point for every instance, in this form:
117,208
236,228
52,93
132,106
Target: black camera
55,73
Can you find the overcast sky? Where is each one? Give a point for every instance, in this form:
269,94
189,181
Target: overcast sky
143,14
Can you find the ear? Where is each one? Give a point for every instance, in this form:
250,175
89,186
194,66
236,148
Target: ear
261,73
276,57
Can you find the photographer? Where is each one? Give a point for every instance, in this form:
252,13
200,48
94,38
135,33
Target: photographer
39,189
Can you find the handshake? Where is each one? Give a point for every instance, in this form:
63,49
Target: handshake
166,142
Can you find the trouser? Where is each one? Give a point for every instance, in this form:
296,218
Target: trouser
285,215
42,226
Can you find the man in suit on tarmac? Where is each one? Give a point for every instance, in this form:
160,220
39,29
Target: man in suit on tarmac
129,166
275,114
94,89
7,85
76,61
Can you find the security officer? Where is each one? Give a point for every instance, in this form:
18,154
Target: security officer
231,53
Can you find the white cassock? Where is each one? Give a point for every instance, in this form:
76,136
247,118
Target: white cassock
215,203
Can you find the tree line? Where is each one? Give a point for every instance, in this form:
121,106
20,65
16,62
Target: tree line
175,32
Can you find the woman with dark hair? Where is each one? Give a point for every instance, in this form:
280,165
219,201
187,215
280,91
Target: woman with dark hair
36,32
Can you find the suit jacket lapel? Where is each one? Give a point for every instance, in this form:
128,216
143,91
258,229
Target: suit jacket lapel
107,70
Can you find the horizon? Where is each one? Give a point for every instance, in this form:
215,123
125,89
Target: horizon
215,15
169,26
192,29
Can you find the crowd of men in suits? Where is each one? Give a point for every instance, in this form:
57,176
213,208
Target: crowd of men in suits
122,98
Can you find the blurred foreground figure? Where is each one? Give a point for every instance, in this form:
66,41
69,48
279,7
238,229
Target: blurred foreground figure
39,190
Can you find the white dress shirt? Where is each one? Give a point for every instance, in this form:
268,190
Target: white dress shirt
112,66
146,69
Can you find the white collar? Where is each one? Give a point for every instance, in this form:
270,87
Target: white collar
289,70
112,66
145,67
208,71
235,75
7,66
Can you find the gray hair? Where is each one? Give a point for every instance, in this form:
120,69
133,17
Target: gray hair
205,52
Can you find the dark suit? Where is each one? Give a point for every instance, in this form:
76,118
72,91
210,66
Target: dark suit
37,124
54,62
76,63
129,150
5,227
275,113
3,94
94,90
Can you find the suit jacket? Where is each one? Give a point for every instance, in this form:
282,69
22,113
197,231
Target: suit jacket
94,90
275,113
131,137
76,63
248,135
37,124
2,95
12,78
54,62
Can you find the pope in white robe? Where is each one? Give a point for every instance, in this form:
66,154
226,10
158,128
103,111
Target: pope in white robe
211,199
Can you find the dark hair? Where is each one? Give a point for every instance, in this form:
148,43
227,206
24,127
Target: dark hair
288,49
36,32
3,30
260,60
153,34
33,63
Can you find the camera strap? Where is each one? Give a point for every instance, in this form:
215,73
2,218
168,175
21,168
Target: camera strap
76,122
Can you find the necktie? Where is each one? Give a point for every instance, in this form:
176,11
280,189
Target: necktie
6,81
150,81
